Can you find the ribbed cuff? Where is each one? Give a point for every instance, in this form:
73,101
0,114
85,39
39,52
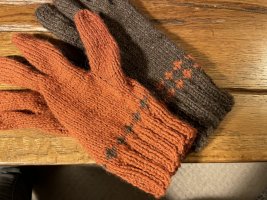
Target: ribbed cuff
149,150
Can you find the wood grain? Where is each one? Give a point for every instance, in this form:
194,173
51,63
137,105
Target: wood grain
228,37
29,147
19,18
237,5
24,2
242,136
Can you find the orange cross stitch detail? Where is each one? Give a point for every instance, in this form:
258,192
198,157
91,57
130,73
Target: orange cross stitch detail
177,65
179,84
171,92
187,73
168,75
160,85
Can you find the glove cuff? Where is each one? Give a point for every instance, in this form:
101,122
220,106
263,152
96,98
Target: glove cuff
149,150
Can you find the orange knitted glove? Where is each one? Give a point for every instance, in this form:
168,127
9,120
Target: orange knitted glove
117,120
25,109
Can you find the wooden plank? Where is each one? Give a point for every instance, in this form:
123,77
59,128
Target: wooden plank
194,2
230,61
19,18
6,46
29,147
241,137
171,11
256,6
227,43
24,2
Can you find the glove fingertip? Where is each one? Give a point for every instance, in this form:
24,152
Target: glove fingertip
88,22
83,15
41,11
19,38
24,40
91,29
27,44
46,13
68,7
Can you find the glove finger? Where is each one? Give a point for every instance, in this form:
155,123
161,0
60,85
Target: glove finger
101,48
98,6
12,100
68,7
15,73
53,20
46,57
26,120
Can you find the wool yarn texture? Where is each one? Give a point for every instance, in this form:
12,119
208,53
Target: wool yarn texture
24,109
151,58
118,121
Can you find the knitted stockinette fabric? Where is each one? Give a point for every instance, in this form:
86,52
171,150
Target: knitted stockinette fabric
26,109
120,124
151,58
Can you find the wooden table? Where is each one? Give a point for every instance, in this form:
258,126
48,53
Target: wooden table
228,37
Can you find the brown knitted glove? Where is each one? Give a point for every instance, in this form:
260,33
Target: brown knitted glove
116,119
150,57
